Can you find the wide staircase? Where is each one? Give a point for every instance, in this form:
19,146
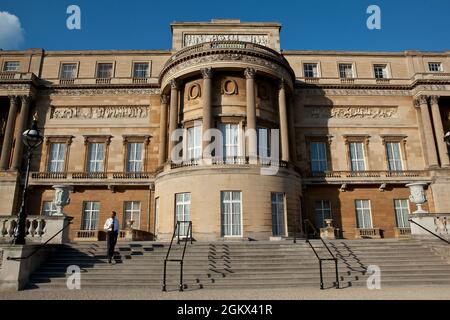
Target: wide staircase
252,264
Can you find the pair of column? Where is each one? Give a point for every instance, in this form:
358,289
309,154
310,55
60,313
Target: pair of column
432,153
9,133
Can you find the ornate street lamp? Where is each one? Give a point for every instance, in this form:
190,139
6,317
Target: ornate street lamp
32,138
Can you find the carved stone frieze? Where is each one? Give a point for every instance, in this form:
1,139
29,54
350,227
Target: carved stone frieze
193,39
101,91
356,92
351,112
99,112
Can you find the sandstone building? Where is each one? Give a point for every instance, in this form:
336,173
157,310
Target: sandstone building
353,129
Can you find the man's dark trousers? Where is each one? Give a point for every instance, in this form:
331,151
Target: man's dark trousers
111,243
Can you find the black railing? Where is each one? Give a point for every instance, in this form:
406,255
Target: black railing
187,236
429,231
308,224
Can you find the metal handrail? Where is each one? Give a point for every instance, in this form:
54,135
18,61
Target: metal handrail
434,234
333,258
176,231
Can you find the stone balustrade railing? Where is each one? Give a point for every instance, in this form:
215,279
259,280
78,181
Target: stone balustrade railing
221,161
11,75
368,174
91,175
35,227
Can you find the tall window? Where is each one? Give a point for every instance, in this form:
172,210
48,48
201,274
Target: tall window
194,142
68,71
263,142
318,156
230,134
278,214
345,70
357,156
380,71
183,211
394,156
363,214
48,208
140,70
91,210
435,66
132,211
322,210
56,157
401,207
231,213
96,157
11,66
310,70
104,70
135,157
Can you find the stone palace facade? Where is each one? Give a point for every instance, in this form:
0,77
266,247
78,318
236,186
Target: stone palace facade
344,131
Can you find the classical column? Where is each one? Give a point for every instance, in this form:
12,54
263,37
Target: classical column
291,126
23,118
9,132
421,102
207,74
283,122
251,115
163,130
173,120
439,131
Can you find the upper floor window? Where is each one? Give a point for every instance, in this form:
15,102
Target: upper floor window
56,157
11,66
135,157
380,71
230,134
356,150
194,142
263,142
394,157
140,70
435,67
310,70
319,161
104,70
96,157
68,71
345,70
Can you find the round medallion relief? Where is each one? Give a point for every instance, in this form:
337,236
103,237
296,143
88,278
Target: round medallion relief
194,91
229,87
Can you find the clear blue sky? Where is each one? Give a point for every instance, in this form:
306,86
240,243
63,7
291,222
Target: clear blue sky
322,25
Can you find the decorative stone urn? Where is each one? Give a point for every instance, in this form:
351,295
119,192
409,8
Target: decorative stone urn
62,198
329,231
417,196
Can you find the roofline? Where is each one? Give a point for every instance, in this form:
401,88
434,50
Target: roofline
366,53
225,22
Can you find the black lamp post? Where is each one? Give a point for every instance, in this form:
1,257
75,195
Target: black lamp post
32,138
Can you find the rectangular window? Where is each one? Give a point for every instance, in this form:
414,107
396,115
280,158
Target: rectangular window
310,70
357,156
380,71
104,70
183,211
68,71
363,214
56,157
231,213
11,66
278,214
230,134
345,70
319,161
48,208
322,209
435,66
132,211
401,207
91,212
135,157
140,70
263,142
96,156
194,142
394,156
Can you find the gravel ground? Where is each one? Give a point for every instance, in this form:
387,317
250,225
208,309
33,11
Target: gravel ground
390,293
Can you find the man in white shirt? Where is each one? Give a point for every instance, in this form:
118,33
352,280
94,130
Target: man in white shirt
112,231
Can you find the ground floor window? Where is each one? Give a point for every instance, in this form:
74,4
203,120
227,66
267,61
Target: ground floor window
363,214
91,210
231,213
132,211
278,214
322,209
48,208
183,211
401,207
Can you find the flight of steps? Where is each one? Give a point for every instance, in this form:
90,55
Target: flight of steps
252,264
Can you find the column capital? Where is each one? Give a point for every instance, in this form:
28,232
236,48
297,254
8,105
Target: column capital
421,100
207,73
25,99
13,99
174,83
434,99
249,73
281,84
164,99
